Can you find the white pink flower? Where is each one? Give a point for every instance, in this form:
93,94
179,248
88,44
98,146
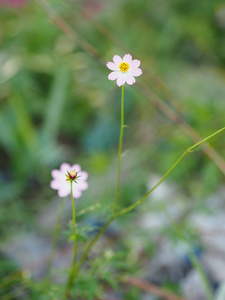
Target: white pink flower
63,186
124,69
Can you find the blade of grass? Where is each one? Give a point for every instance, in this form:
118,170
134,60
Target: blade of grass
24,124
7,136
55,105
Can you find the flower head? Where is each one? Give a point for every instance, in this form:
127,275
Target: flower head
71,176
124,69
65,175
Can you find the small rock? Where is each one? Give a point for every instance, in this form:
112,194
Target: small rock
170,264
192,287
215,265
29,251
147,296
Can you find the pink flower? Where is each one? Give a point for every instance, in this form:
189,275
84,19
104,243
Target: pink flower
124,70
63,186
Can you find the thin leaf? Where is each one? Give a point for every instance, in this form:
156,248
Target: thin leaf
55,104
24,124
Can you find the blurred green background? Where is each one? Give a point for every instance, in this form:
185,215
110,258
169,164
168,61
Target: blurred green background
57,105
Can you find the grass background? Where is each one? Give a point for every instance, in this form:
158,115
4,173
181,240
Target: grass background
57,105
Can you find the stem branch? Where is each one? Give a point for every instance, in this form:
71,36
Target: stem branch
190,149
131,207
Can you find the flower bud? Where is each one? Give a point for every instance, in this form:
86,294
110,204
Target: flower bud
71,176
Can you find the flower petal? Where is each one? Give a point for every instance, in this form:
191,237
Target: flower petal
83,175
56,174
82,186
76,168
121,80
64,168
135,72
113,75
135,64
130,79
117,60
112,66
54,184
77,193
127,58
64,192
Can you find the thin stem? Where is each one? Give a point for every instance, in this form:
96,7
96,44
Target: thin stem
190,149
73,263
92,243
55,237
129,208
119,151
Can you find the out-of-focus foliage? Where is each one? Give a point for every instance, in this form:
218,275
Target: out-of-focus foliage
56,103
55,97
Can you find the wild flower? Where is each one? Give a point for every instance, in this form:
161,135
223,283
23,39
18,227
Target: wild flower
63,177
124,69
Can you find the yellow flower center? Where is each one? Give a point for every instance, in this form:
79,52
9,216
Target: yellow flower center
124,67
71,175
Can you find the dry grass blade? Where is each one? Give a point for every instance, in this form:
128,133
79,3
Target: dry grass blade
177,119
151,288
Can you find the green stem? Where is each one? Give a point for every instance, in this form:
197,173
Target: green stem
73,263
190,149
92,243
129,208
55,237
119,151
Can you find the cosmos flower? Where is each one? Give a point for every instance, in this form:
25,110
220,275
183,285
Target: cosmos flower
66,174
124,69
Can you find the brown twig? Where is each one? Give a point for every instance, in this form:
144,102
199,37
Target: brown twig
84,14
58,21
151,288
